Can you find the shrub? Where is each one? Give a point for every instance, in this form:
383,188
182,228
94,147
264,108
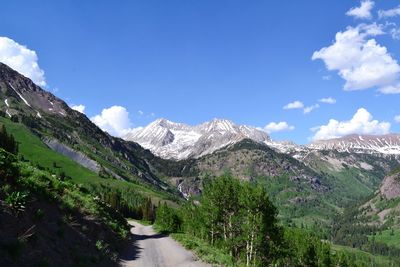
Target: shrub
16,201
8,166
167,219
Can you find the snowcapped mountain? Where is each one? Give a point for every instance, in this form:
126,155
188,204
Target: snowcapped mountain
180,141
367,144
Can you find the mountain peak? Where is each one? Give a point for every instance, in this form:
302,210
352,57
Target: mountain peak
21,95
221,125
160,122
180,141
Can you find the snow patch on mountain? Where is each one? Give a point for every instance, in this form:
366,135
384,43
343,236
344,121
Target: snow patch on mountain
20,96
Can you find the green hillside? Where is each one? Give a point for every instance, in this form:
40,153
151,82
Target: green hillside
32,149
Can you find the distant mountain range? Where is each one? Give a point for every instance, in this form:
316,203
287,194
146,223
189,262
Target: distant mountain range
179,141
388,144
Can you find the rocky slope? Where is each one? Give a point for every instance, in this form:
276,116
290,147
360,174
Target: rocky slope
382,209
390,188
249,160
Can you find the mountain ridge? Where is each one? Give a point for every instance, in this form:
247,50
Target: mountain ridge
50,118
178,141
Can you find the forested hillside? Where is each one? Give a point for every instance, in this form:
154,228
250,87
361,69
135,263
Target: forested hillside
235,222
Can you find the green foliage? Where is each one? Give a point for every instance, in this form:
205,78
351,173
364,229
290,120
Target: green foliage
355,257
7,142
16,201
303,248
167,219
148,210
236,217
104,248
354,229
126,200
234,224
204,250
9,170
71,197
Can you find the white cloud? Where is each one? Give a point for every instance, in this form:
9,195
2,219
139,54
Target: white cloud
391,89
140,113
278,127
80,108
361,123
389,13
21,59
114,120
308,109
397,118
327,100
294,105
326,77
360,61
363,11
395,32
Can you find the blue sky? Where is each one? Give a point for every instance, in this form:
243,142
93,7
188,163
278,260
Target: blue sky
192,61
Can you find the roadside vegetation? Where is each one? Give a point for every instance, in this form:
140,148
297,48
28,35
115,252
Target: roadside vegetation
48,219
45,220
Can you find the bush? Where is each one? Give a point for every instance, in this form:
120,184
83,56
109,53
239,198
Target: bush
8,166
16,201
167,219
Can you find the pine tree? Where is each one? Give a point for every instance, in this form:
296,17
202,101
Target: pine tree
7,142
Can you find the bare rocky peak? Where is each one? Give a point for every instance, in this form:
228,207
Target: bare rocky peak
18,92
180,141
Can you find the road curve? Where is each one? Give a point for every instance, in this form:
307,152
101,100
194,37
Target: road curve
150,249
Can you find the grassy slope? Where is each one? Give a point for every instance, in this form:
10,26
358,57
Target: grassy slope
364,258
388,237
34,150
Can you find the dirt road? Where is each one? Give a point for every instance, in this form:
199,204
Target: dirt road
149,249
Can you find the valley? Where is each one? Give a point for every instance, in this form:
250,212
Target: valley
341,194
